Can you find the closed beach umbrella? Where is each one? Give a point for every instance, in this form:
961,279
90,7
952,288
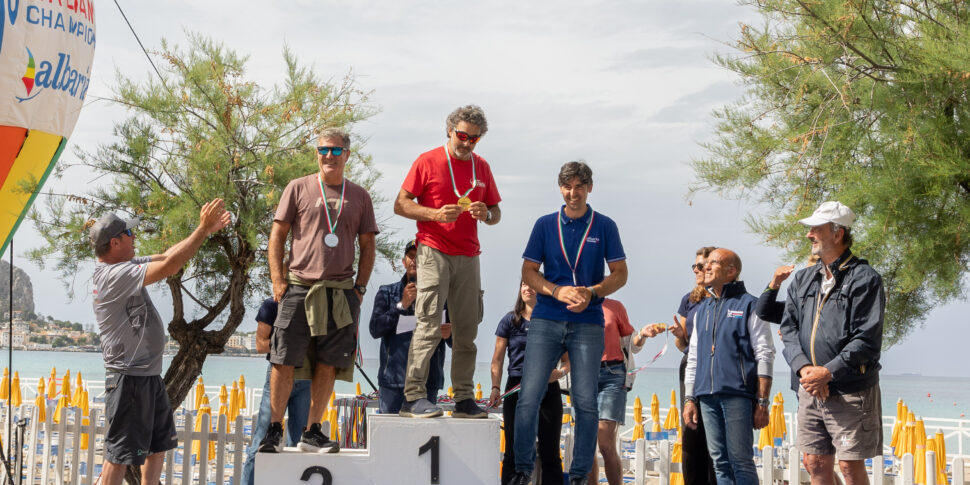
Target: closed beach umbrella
358,390
199,392
677,456
233,402
206,410
672,421
901,412
242,392
655,413
66,385
41,403
638,419
78,390
15,397
940,457
478,391
919,457
52,384
780,429
764,437
5,384
334,435
85,409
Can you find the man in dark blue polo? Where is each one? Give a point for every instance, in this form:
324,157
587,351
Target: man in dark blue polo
573,244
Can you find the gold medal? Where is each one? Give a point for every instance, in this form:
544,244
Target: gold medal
464,202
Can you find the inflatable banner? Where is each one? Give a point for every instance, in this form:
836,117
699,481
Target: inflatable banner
46,52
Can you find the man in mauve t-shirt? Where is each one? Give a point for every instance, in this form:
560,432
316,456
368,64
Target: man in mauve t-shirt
448,190
319,297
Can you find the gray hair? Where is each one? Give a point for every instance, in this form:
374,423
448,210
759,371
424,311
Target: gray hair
846,236
334,132
578,169
469,114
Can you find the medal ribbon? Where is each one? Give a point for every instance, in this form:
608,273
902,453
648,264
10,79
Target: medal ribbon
340,203
582,244
451,171
655,357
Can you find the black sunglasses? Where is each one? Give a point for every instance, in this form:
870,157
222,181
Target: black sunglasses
336,151
697,266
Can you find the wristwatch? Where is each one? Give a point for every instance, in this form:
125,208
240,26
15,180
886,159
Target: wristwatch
360,289
764,402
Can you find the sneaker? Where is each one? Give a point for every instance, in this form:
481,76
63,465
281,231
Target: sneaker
273,441
314,441
421,408
521,478
577,480
467,408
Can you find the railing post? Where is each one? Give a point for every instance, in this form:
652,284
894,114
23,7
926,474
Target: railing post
767,465
640,462
878,470
664,462
906,472
794,469
956,468
931,468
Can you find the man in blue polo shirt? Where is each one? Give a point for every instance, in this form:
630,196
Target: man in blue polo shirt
573,244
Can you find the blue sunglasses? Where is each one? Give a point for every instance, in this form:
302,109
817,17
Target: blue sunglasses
126,232
336,151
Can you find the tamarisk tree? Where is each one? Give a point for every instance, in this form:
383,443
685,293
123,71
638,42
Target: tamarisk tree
865,102
203,131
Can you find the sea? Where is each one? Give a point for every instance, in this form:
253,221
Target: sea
938,397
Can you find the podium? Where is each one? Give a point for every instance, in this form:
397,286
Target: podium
406,451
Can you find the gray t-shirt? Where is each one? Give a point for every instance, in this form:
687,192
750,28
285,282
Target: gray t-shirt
132,334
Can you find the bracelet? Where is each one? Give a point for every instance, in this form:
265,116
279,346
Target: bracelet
592,292
554,290
497,388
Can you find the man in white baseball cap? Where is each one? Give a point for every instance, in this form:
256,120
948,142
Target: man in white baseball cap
832,330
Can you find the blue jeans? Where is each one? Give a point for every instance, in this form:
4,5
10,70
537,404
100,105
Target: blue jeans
298,408
546,343
729,422
390,399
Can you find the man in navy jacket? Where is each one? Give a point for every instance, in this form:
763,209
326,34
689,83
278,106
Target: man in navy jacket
393,306
729,370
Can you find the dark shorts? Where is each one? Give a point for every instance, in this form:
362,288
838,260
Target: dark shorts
846,425
139,419
291,338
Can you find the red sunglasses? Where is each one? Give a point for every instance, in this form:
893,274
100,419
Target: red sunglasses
466,137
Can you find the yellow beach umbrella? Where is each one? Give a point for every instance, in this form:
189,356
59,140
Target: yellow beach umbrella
901,413
764,437
203,409
85,410
358,390
672,421
478,391
199,392
66,385
655,413
451,392
41,403
919,457
242,392
907,443
15,398
52,384
5,384
677,456
78,390
223,395
334,429
940,457
780,428
233,402
638,419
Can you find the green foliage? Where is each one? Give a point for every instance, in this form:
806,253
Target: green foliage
205,131
865,102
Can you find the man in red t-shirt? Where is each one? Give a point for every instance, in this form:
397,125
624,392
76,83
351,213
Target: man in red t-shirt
448,190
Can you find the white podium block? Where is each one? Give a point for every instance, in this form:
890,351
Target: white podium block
406,451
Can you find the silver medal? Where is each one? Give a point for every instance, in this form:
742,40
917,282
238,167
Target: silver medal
331,240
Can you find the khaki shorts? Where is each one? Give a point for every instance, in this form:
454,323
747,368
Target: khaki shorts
846,425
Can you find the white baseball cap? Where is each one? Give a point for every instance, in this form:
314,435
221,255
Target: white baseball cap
831,211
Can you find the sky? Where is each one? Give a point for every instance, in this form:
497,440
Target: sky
627,86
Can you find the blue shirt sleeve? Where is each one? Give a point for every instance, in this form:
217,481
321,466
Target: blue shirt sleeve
535,248
682,309
267,312
614,247
504,326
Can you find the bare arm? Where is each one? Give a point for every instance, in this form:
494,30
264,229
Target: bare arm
614,281
498,358
212,218
274,250
368,252
406,206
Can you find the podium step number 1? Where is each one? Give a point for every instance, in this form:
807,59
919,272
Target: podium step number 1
443,450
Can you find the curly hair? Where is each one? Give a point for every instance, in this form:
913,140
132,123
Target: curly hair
577,169
469,114
335,133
